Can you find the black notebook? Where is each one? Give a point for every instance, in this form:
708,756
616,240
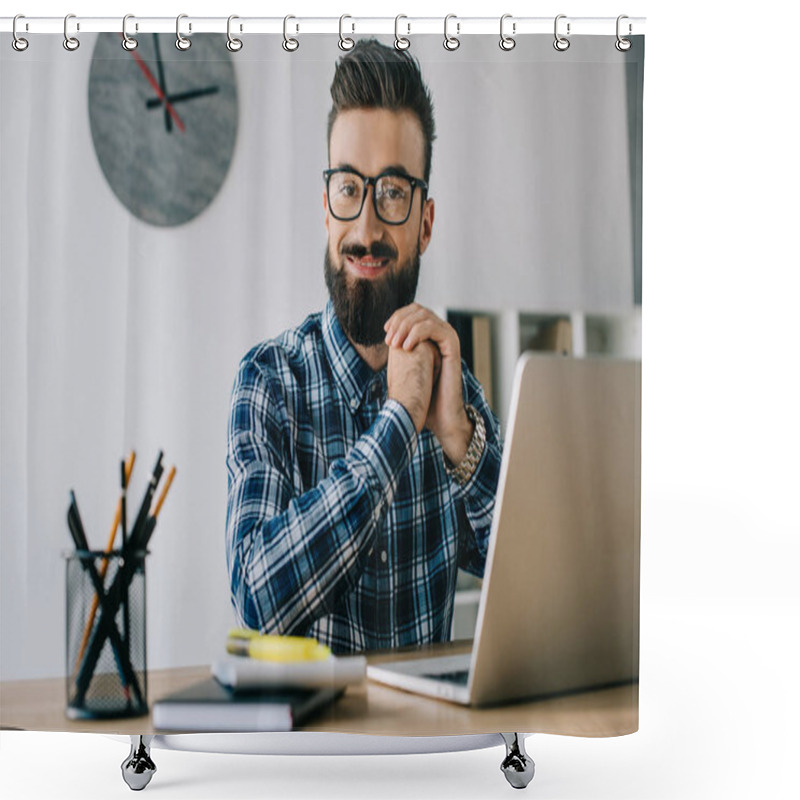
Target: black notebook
209,706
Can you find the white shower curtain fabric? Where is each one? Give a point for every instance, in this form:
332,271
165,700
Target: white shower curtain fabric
123,325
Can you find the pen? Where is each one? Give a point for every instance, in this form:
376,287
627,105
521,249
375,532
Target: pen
268,647
104,566
74,528
80,541
150,525
123,503
144,509
126,612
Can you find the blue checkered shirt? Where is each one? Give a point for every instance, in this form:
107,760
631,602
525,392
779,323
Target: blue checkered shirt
342,522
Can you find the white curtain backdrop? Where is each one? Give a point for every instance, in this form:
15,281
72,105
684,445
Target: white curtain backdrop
120,335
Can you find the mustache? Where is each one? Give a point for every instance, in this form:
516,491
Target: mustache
376,250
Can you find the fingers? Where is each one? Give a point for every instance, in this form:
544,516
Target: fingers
416,330
400,323
433,350
411,376
413,324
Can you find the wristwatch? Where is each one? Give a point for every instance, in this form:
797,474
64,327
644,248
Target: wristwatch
465,470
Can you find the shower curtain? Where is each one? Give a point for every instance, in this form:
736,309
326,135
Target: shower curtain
162,213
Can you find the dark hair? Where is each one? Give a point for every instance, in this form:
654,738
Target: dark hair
373,75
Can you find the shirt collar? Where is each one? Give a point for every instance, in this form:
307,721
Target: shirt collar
351,373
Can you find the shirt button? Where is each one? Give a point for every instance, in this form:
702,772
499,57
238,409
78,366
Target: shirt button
384,557
354,404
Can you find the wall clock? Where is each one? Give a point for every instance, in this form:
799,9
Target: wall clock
163,122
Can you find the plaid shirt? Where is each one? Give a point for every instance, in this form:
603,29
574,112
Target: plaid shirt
342,523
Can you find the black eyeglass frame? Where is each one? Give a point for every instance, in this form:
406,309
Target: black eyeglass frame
326,174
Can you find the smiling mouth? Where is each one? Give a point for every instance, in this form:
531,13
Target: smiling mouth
367,264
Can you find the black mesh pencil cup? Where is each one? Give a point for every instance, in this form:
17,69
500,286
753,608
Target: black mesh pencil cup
106,647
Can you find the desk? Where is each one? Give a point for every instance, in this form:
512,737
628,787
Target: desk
370,708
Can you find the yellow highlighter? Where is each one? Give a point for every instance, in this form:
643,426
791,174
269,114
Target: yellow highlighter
269,647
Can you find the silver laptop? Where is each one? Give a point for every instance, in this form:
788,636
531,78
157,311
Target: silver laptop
559,607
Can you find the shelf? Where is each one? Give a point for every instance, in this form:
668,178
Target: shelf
501,337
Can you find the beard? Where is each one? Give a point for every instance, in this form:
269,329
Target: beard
362,306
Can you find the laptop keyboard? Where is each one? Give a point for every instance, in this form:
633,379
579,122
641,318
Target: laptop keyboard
460,677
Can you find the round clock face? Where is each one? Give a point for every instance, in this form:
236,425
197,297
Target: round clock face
163,122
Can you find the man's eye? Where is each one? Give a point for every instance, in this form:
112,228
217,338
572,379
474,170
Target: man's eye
392,191
349,189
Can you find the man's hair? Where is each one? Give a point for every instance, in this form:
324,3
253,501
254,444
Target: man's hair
372,75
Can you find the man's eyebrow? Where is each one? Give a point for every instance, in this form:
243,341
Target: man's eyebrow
396,169
392,169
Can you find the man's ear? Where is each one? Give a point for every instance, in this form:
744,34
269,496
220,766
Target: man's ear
426,225
325,206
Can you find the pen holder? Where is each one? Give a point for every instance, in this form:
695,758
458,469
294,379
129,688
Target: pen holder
106,647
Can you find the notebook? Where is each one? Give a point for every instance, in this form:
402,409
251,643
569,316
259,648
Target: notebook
559,606
210,706
244,673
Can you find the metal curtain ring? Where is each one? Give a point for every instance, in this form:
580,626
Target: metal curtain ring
345,42
233,44
71,43
507,42
289,44
181,42
401,42
18,43
451,42
561,43
622,44
128,42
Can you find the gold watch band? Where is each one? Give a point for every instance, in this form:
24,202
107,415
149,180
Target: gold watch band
465,470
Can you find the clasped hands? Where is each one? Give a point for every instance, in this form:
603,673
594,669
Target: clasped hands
424,375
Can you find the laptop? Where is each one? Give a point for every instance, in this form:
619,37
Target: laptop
559,605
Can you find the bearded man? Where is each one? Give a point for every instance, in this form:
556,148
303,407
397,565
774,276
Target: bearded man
362,456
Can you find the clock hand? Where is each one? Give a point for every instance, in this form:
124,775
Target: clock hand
155,102
154,83
162,81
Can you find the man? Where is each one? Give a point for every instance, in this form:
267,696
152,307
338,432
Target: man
362,459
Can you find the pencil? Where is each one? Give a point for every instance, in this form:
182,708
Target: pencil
104,565
163,495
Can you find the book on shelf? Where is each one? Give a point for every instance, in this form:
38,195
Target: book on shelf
552,335
211,707
475,336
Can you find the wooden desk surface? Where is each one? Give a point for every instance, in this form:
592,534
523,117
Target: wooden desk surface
369,708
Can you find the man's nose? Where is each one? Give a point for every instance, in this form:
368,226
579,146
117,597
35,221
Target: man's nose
367,227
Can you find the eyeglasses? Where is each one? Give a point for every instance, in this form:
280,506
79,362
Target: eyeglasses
392,194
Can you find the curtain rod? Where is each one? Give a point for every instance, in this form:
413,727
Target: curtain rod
407,26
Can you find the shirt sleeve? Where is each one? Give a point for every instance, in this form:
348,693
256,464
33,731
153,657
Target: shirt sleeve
292,555
479,492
